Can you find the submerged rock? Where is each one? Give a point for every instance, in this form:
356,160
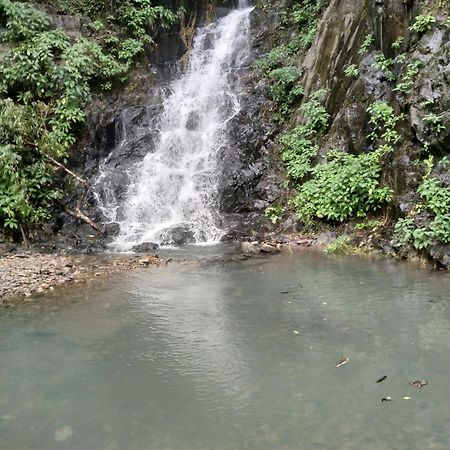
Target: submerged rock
145,247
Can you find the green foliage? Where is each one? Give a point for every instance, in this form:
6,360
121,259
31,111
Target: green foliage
275,58
383,121
368,225
97,26
279,66
398,43
140,17
407,82
339,245
91,8
305,15
434,122
435,201
400,59
274,213
348,185
384,64
283,89
351,70
21,21
299,145
367,43
307,37
130,48
437,198
423,22
45,84
48,68
24,175
447,23
298,149
404,234
343,187
315,113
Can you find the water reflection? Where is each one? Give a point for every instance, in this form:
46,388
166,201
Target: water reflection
214,355
188,318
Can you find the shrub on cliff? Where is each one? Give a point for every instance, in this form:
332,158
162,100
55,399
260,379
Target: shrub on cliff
343,187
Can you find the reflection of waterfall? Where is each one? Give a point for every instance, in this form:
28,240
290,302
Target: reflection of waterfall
195,335
172,192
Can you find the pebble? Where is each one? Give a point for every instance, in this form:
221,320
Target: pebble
27,275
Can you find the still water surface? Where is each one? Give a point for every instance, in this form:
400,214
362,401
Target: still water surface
212,356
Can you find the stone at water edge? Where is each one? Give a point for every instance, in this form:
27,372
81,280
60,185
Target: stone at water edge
249,249
271,249
145,247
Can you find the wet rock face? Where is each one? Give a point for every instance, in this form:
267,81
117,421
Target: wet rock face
122,139
342,30
177,236
118,146
251,177
432,89
250,180
441,255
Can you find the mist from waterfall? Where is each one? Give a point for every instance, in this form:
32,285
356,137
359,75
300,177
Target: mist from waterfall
175,185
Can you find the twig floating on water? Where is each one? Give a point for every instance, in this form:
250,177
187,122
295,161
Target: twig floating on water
342,362
418,383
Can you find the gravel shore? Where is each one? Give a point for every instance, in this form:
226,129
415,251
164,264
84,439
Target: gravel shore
26,274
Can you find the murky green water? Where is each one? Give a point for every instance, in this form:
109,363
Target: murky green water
213,356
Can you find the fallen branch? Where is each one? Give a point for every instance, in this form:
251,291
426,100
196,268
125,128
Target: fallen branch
80,215
343,361
25,240
62,166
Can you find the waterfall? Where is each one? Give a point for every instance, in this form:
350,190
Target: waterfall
173,189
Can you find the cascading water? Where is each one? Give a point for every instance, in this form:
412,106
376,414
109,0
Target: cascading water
174,188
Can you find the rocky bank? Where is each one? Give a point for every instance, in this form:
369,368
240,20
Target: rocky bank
26,274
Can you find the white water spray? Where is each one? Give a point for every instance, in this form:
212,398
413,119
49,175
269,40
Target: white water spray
176,184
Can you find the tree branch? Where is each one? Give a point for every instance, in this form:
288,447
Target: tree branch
80,215
62,166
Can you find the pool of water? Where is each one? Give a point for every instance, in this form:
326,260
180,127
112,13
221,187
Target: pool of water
233,356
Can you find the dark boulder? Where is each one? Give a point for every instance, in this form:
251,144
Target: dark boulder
145,247
181,235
